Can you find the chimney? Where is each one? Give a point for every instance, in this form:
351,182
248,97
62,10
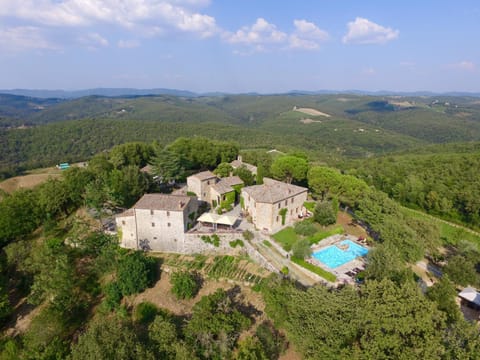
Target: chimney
181,204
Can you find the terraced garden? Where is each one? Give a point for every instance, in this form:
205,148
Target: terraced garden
219,267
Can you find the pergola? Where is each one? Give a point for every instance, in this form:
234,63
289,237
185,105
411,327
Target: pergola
215,219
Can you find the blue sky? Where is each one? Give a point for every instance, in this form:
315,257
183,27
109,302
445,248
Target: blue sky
241,45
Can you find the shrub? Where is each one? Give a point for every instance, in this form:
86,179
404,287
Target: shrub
214,240
135,273
236,243
305,228
113,295
185,285
325,213
145,312
283,214
248,235
301,249
285,270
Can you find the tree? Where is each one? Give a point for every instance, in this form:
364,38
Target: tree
133,153
289,168
324,213
398,322
245,175
167,165
461,270
443,293
223,170
250,349
385,262
19,215
215,326
125,186
135,272
301,249
185,285
110,338
163,335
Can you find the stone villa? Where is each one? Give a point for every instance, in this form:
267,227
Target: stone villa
157,222
160,222
273,205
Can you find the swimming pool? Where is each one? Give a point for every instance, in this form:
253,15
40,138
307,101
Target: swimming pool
333,256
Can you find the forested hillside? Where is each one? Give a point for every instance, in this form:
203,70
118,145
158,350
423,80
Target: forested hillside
39,132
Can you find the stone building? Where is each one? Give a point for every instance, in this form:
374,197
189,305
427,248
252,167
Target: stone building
239,163
273,205
211,189
200,184
157,222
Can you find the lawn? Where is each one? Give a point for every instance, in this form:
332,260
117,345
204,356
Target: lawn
315,269
450,235
317,237
286,237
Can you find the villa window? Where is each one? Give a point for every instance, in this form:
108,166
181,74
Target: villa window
279,205
291,212
169,224
292,201
296,210
123,222
277,219
286,202
151,212
168,213
153,224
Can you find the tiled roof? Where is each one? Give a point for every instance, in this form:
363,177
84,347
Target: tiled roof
232,180
238,163
204,175
126,213
225,184
273,191
162,202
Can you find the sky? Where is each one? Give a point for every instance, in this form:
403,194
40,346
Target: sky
266,46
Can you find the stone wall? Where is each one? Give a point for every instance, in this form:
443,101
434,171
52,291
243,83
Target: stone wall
195,245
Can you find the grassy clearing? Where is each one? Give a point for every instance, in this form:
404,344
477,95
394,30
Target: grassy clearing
315,269
449,234
286,237
316,238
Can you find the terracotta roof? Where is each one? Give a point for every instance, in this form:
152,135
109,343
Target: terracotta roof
162,202
273,191
204,175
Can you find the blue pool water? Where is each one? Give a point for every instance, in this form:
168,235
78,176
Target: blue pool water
333,257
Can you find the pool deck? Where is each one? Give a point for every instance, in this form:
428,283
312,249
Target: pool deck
340,271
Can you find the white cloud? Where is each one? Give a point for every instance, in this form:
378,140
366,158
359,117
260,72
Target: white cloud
23,38
364,31
464,65
93,41
130,14
128,44
262,32
307,35
263,36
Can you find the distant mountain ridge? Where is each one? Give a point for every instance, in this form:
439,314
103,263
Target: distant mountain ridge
119,92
